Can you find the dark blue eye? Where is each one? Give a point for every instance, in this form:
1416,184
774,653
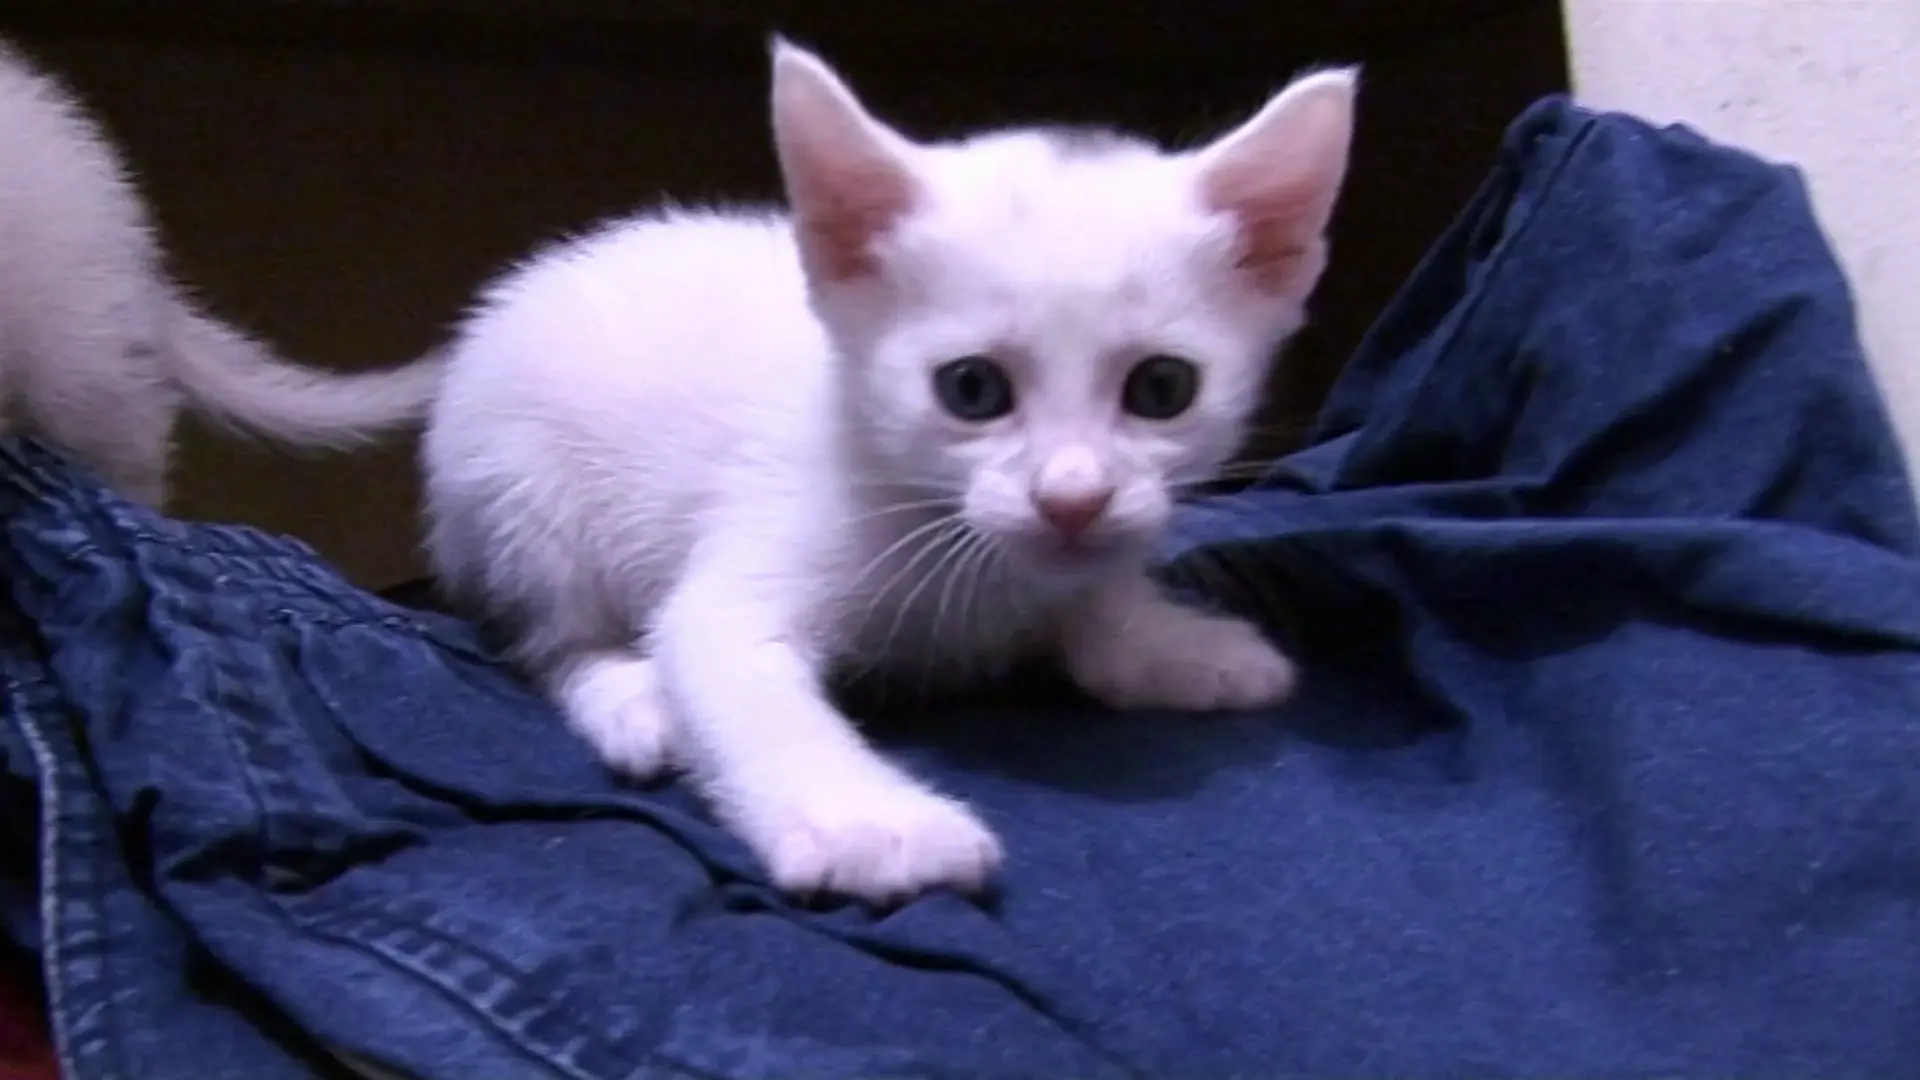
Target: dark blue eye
974,389
1160,388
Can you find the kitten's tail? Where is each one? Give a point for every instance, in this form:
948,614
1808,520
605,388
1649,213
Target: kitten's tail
240,382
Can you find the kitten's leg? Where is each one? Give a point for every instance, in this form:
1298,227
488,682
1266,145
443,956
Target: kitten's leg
611,699
1133,647
784,769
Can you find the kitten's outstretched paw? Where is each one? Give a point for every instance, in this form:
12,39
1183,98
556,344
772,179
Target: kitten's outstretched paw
612,701
880,840
1181,659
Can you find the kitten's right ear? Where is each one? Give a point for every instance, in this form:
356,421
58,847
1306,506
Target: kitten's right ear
1278,176
846,173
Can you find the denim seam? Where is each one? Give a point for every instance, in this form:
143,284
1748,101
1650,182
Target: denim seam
58,895
271,794
337,924
290,916
396,616
288,615
55,899
245,741
51,919
239,739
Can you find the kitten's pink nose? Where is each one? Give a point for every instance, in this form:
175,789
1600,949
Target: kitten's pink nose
1071,515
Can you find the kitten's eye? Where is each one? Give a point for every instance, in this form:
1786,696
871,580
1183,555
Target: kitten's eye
1160,387
973,388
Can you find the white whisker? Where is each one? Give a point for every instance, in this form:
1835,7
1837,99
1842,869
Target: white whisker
902,507
916,533
877,601
973,575
966,557
944,555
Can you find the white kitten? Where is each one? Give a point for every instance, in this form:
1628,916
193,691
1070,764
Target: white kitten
99,351
696,462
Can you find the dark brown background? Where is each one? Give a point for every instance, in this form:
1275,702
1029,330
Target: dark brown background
338,175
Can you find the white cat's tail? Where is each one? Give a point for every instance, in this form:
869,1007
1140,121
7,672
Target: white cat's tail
238,381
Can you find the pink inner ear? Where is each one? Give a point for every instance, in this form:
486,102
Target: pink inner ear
1279,218
848,212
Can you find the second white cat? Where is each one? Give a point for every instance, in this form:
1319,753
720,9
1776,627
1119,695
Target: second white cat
100,350
933,419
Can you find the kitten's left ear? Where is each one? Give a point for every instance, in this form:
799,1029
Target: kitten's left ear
846,173
1278,176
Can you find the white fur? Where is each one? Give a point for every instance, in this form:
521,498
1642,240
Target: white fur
99,351
696,464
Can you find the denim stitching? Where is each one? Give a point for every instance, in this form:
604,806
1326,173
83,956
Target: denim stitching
58,897
176,564
360,925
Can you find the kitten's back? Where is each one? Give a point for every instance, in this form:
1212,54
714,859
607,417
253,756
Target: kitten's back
631,373
693,323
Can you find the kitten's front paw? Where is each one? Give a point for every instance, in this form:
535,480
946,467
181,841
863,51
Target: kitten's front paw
880,840
1181,659
614,703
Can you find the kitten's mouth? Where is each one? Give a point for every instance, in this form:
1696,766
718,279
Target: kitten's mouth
1078,555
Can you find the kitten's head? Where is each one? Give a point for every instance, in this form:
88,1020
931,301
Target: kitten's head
1060,330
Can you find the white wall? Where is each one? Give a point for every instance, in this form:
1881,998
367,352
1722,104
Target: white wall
1830,85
